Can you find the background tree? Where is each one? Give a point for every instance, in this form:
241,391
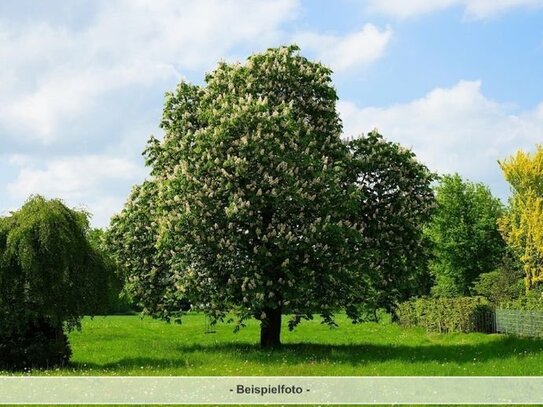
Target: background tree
261,209
132,241
50,276
522,224
464,233
396,203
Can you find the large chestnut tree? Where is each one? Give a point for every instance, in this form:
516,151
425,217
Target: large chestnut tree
259,208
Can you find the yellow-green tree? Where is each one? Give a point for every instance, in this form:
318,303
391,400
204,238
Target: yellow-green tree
522,225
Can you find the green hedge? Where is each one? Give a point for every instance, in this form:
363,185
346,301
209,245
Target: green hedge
461,314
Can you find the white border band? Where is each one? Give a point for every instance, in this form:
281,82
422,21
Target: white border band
270,390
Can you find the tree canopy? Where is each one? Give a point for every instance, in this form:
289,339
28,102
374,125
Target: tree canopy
396,203
132,240
257,207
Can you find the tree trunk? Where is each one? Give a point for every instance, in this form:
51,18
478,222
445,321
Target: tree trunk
270,329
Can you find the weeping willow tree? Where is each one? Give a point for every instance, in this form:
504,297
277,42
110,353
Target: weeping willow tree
50,276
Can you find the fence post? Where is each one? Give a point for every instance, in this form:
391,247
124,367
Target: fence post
493,322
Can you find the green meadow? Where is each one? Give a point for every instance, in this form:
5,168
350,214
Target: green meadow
130,345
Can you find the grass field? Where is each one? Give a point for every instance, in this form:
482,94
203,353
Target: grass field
128,345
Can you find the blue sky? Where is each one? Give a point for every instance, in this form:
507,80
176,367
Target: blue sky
82,82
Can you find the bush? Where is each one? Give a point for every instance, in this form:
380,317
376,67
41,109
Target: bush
499,286
41,345
461,314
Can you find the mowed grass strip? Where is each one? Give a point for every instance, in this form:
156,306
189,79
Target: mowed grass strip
129,345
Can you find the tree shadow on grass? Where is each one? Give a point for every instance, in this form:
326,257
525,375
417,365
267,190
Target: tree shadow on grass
348,354
360,354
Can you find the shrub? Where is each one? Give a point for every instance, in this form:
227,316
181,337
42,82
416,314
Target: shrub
41,344
499,286
460,314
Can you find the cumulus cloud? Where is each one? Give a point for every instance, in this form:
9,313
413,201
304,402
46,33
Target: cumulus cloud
473,9
103,207
349,51
81,86
454,129
55,72
92,181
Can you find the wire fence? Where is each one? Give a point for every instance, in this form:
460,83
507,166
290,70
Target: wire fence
527,323
482,318
518,322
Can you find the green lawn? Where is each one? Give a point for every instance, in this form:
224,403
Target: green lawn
129,345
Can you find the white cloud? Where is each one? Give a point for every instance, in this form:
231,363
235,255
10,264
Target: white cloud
454,129
19,159
352,50
56,73
71,177
103,208
90,181
86,83
473,9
